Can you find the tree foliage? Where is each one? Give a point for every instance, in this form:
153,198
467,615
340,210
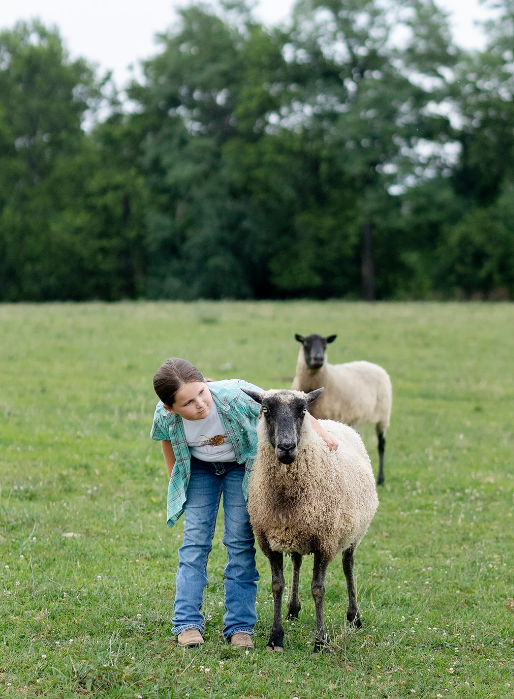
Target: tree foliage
254,161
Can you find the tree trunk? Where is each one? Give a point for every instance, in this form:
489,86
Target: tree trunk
368,266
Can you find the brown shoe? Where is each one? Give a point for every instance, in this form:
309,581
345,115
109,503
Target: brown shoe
190,637
241,640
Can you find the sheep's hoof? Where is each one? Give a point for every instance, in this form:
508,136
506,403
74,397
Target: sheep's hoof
355,621
272,649
293,615
380,480
321,647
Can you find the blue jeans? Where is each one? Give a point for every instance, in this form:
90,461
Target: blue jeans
208,481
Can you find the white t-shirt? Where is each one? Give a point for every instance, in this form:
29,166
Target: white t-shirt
206,438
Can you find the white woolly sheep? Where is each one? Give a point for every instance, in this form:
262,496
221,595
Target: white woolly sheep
304,498
356,393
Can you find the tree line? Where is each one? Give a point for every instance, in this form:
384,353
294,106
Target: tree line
356,152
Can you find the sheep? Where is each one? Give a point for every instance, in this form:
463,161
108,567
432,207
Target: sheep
356,393
304,498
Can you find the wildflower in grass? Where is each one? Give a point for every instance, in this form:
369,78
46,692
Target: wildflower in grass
450,670
43,656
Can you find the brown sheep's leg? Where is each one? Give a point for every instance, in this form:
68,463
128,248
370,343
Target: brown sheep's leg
276,639
381,452
318,592
352,615
294,602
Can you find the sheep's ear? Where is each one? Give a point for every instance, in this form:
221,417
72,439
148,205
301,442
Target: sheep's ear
311,397
331,338
257,397
300,338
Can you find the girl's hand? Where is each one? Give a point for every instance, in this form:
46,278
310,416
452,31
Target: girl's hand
332,443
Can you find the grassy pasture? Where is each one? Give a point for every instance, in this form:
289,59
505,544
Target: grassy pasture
87,563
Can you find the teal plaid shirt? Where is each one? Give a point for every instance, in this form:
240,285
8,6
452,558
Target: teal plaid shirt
238,414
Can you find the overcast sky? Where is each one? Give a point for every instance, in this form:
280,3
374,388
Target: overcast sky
116,33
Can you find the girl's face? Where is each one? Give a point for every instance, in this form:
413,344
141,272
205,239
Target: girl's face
193,401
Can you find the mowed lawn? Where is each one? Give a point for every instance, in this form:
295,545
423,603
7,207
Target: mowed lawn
88,564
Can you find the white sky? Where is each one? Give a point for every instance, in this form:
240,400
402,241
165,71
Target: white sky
116,33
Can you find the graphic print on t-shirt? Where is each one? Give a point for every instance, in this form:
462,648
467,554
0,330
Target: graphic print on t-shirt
207,439
215,441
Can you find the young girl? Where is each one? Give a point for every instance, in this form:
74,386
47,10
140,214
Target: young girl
209,441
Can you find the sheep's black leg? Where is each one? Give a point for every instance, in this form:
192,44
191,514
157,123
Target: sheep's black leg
352,615
381,452
318,592
276,639
294,601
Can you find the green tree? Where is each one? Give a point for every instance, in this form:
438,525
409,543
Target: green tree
71,207
374,107
43,99
483,94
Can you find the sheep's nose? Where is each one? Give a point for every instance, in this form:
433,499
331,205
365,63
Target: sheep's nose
286,452
286,447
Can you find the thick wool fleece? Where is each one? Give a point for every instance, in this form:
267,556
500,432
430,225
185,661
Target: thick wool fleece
324,501
356,393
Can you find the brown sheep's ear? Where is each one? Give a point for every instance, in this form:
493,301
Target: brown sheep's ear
331,338
300,338
311,397
257,397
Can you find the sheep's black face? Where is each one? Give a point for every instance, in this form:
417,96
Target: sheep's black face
284,413
314,347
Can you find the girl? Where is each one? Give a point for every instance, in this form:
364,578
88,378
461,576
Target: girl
208,435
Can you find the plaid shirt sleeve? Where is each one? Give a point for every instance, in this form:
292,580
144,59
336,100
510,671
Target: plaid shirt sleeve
158,429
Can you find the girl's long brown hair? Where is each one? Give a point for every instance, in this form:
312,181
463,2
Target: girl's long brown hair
173,374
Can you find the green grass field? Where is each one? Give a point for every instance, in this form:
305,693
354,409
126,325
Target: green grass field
88,564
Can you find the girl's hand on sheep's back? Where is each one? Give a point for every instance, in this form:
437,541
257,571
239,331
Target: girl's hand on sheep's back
331,441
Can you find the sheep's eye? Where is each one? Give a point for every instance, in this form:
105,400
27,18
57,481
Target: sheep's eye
304,411
264,410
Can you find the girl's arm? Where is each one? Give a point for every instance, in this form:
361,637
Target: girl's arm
169,456
331,441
